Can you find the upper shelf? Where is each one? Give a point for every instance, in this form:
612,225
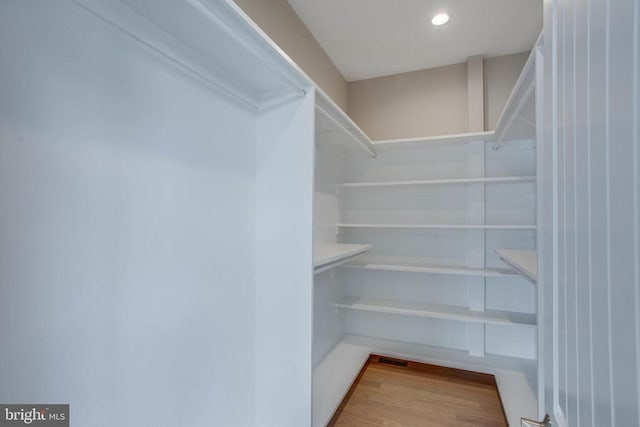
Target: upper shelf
334,127
517,121
218,44
525,262
212,40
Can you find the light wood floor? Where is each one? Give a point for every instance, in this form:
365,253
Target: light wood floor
420,395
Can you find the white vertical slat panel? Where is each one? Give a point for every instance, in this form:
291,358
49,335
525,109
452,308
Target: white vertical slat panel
598,258
620,187
562,252
583,300
592,132
636,180
569,149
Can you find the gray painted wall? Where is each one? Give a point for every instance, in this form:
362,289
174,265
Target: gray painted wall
425,102
430,102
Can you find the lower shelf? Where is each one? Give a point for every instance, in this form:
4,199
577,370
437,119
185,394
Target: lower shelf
333,376
440,226
437,311
413,266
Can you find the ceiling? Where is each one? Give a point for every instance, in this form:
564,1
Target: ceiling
372,38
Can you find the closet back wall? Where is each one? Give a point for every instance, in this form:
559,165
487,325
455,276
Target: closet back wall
430,102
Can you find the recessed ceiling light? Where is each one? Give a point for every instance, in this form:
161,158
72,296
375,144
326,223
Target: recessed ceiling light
440,19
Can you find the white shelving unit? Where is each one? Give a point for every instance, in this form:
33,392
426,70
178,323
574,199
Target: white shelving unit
428,286
437,311
412,266
525,262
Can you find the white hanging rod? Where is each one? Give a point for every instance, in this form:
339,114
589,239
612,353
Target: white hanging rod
275,102
371,152
220,87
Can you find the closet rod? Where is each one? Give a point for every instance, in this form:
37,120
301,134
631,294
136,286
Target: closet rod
270,104
371,152
218,86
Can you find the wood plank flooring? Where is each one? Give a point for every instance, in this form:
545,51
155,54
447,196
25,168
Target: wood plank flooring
391,392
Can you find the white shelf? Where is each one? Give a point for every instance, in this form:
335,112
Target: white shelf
325,256
214,41
460,138
517,120
495,180
440,226
437,311
413,266
333,377
525,262
335,128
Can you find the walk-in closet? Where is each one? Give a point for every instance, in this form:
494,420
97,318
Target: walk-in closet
219,213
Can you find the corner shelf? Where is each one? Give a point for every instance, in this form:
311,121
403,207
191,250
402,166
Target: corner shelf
330,256
411,266
494,180
525,262
518,118
437,311
439,226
